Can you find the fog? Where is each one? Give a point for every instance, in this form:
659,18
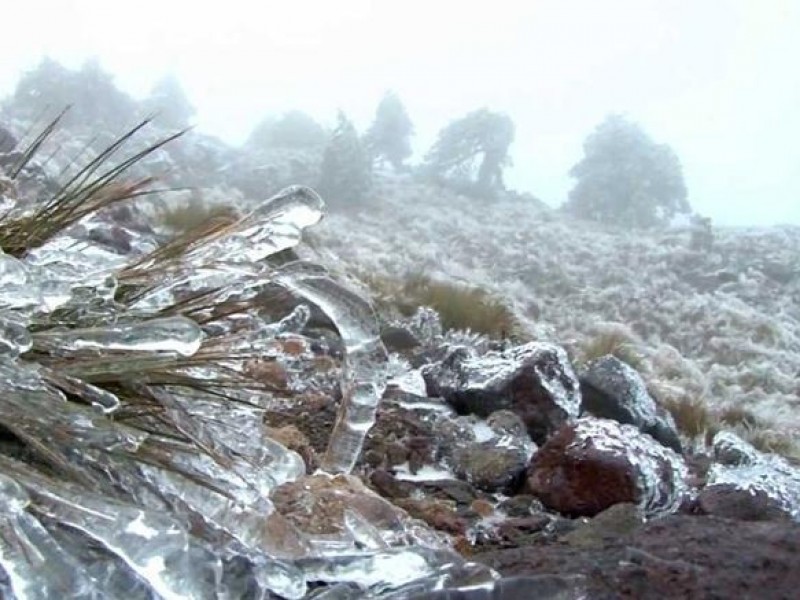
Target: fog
715,80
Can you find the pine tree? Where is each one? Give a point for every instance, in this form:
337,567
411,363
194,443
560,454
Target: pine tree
346,169
169,104
472,152
389,137
626,178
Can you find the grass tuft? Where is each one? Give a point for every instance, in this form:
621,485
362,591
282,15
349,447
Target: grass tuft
459,306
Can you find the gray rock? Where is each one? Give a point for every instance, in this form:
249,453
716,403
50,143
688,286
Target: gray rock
611,389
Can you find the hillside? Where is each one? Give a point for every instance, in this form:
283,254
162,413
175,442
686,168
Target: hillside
715,321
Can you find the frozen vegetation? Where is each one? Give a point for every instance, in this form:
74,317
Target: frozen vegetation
717,321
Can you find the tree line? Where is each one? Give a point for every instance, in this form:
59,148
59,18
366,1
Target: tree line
624,176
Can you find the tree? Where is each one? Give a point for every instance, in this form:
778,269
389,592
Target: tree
389,137
90,91
472,152
626,178
294,129
346,173
169,104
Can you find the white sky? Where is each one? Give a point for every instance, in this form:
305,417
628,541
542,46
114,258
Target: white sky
718,80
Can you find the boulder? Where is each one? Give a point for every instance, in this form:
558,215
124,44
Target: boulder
535,381
611,389
592,464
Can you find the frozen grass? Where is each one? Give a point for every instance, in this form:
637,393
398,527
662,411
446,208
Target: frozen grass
190,216
722,324
460,307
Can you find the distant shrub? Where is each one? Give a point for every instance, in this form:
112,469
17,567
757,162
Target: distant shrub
389,136
459,306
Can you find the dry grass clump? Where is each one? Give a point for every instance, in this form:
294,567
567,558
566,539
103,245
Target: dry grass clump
693,417
460,307
190,216
695,420
614,342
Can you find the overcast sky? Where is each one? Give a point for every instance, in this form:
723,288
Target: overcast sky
718,80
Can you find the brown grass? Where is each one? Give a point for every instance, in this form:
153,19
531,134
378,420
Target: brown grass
182,219
692,416
460,307
615,343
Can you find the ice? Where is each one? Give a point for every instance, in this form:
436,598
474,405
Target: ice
173,334
161,559
364,367
14,338
275,225
37,566
425,473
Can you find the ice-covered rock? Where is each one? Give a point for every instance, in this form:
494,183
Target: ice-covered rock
535,381
592,464
491,455
611,389
771,481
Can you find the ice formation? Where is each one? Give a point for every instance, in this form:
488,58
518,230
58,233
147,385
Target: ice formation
166,481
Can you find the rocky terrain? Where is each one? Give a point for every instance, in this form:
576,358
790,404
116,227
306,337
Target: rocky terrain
207,417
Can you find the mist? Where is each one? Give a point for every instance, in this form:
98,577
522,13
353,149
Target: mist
716,81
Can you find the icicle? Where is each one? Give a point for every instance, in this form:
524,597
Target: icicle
173,334
153,545
364,372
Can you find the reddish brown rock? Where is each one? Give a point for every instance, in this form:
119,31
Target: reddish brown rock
592,464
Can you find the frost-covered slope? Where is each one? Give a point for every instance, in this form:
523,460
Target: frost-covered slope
722,323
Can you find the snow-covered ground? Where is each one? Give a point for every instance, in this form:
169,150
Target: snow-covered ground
721,324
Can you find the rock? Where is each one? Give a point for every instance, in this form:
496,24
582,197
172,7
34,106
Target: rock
728,501
317,504
773,481
398,339
388,486
535,381
491,468
521,505
291,437
611,389
730,449
438,514
592,464
614,522
492,455
547,587
675,557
